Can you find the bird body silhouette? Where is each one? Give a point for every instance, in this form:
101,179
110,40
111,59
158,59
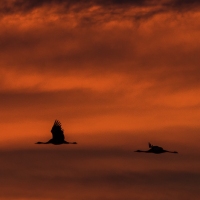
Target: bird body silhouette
156,150
58,135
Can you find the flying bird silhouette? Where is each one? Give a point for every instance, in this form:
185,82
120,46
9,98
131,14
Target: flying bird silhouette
156,150
58,135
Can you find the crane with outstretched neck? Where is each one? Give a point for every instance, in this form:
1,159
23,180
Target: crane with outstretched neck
58,135
155,149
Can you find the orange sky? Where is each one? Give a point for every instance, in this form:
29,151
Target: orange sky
117,72
108,65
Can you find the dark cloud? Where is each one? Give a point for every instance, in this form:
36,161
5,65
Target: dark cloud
183,5
155,57
17,6
59,49
75,102
47,47
23,6
94,173
67,97
10,7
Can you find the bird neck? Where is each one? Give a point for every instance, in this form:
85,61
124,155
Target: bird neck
142,151
40,143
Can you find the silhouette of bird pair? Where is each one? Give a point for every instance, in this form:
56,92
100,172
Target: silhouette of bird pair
58,135
59,138
156,150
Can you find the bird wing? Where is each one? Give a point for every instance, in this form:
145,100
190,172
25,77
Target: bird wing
57,131
150,145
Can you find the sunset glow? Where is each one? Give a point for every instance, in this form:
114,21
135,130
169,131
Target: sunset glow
117,74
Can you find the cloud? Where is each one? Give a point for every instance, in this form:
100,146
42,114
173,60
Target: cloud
106,172
99,67
185,5
97,59
72,104
153,7
29,5
161,50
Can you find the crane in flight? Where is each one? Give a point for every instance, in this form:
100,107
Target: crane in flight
58,135
156,150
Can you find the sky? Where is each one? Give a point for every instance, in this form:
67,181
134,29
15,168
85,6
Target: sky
117,74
